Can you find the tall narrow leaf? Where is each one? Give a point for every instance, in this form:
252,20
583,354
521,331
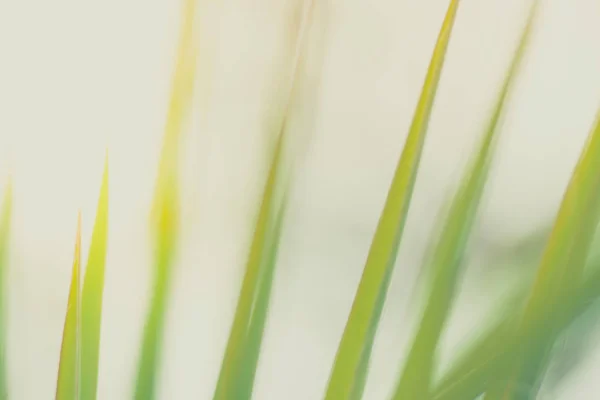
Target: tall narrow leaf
165,207
448,255
231,367
5,217
238,368
355,346
258,319
69,369
561,266
91,297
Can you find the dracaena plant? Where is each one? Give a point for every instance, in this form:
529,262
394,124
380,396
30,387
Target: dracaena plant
508,360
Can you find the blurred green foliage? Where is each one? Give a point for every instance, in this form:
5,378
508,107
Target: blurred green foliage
542,329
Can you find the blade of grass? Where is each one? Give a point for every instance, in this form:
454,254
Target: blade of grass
260,311
234,352
493,357
235,364
562,264
448,255
356,343
5,218
165,207
69,368
91,296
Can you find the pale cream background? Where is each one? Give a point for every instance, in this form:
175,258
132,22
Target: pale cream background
77,77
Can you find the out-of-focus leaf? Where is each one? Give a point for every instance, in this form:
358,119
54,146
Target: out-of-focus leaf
561,266
5,217
238,368
91,296
448,255
165,207
231,367
481,367
69,368
258,319
351,362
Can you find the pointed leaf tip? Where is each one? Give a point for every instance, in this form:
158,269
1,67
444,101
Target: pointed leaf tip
348,374
92,295
68,382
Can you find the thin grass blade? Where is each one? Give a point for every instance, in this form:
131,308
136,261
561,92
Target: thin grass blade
91,296
165,210
493,357
448,255
238,366
561,266
69,368
259,316
5,218
356,343
233,359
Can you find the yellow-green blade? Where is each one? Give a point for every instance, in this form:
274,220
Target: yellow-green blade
561,266
91,297
253,344
234,352
570,272
179,106
493,358
165,208
67,387
415,380
355,346
5,218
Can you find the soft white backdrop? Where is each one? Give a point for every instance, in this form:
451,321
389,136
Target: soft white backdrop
78,77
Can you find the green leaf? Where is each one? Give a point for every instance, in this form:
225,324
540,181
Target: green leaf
258,319
233,359
69,368
166,208
561,266
353,354
493,357
448,255
91,296
5,218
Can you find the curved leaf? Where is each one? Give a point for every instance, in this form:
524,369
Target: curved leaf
347,380
69,369
91,297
